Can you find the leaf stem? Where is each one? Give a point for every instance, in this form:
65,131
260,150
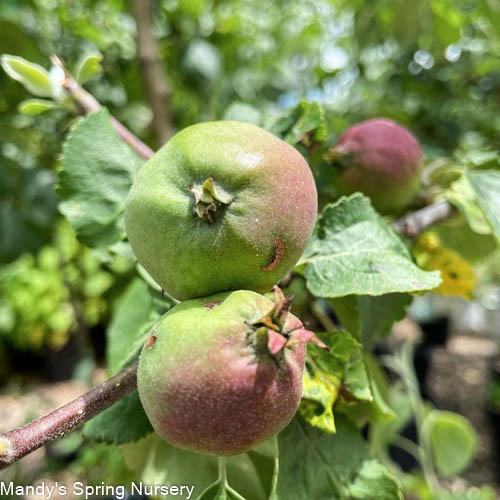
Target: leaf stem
321,315
407,445
20,442
409,378
276,471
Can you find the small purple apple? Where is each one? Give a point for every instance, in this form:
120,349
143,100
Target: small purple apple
381,159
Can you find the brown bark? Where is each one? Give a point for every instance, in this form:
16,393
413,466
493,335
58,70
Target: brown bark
413,224
153,73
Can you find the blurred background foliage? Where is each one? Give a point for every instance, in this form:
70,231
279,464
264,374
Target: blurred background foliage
432,65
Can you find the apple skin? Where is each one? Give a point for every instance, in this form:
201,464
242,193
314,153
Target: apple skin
206,387
382,160
250,240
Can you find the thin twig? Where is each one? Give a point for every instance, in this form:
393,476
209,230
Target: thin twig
413,224
321,315
407,445
409,378
20,442
153,73
89,104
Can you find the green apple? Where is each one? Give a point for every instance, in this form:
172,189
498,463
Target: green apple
222,206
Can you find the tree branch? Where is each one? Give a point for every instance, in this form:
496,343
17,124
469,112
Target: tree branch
89,104
413,224
153,72
17,443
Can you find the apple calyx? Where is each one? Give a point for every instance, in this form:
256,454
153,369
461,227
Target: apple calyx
208,198
268,335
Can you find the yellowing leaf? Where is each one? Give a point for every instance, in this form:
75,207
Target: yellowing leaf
457,275
320,393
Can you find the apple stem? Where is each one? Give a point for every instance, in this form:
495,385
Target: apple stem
274,483
222,470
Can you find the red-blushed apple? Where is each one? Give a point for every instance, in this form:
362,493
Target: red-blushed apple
219,375
222,206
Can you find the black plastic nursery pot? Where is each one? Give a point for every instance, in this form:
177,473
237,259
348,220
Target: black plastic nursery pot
435,330
493,409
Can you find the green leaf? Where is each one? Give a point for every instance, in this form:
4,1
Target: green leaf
321,466
383,432
380,389
265,460
378,314
486,185
356,378
375,409
36,106
347,311
462,195
342,347
129,325
215,491
302,124
354,251
191,8
32,76
370,318
134,315
154,461
251,474
452,439
374,477
220,491
484,493
97,171
121,423
458,236
446,22
89,68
